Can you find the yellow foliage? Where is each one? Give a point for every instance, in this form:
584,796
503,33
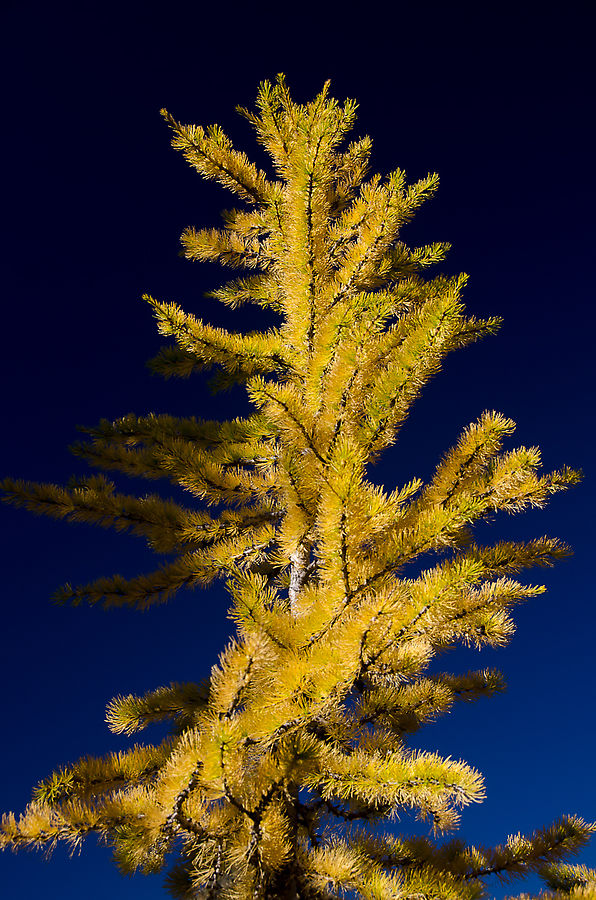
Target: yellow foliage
342,594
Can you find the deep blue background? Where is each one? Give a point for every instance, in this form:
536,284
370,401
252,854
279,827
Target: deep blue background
498,101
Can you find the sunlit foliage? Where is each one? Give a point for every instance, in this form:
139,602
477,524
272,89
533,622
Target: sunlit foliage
285,769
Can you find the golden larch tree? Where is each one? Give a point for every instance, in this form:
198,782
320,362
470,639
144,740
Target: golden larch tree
283,769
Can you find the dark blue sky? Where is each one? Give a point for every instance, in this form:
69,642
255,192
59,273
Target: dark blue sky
499,102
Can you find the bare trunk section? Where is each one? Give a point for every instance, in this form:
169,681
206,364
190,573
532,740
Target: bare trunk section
298,573
286,887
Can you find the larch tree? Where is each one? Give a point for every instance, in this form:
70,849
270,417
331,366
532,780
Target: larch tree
284,768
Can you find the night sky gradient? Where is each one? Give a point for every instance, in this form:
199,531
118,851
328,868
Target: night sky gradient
499,100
